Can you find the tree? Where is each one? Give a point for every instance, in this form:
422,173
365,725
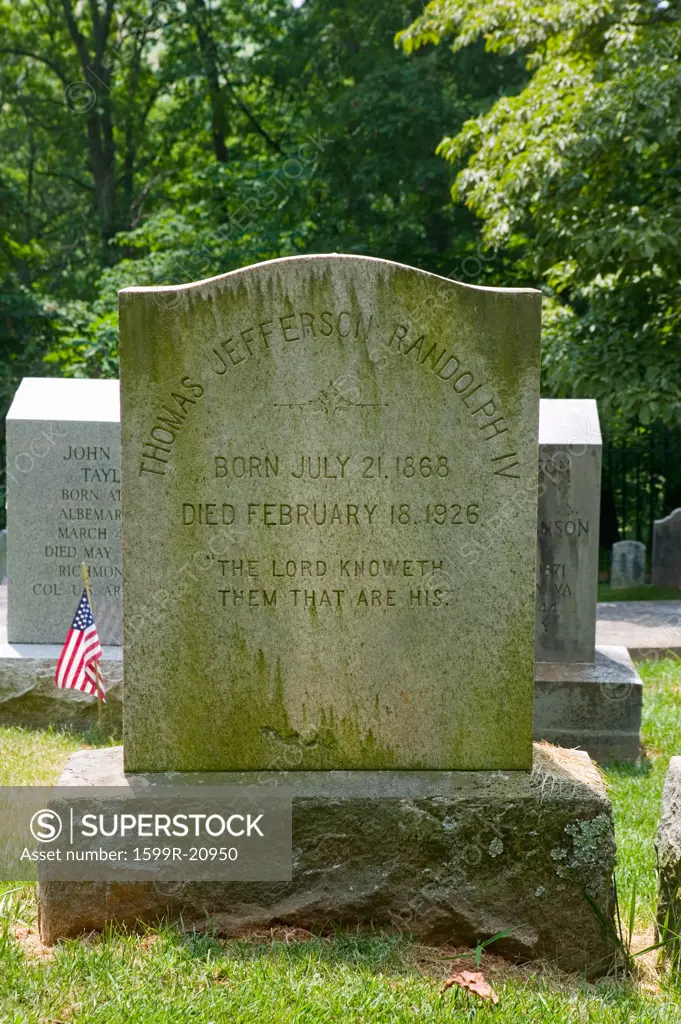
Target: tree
579,178
161,141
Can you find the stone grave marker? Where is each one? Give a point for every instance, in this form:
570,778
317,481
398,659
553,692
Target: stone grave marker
666,564
585,696
312,483
63,507
628,566
330,508
569,510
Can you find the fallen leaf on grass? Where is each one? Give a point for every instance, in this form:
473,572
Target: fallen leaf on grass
472,981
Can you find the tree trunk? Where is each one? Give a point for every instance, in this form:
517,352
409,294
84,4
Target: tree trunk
100,134
208,51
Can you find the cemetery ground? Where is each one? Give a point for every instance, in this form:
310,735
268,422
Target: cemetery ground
645,593
289,975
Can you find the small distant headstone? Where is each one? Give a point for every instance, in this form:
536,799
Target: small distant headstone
329,519
63,507
628,566
567,531
666,563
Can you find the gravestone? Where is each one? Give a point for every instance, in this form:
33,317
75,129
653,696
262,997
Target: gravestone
63,507
330,507
585,696
315,485
628,566
569,508
666,564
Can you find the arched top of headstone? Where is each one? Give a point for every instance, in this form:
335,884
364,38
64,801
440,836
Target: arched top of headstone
673,517
315,264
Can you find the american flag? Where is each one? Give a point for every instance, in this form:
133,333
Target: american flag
77,665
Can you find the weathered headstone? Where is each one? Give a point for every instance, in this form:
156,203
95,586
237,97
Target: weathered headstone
585,695
628,566
329,563
569,508
305,470
666,564
63,507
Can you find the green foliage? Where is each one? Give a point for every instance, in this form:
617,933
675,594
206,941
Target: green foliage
579,176
148,142
160,142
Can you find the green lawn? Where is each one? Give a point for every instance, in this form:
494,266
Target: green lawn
165,976
645,593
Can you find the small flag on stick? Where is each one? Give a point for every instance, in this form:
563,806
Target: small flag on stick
78,665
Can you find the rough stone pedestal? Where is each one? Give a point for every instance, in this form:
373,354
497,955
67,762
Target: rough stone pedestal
593,706
448,856
668,846
29,698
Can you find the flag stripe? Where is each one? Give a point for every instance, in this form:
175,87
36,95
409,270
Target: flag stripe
76,667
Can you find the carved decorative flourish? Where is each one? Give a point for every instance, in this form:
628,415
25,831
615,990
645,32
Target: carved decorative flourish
338,396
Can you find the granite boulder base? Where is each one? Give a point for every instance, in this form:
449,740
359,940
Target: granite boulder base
317,454
668,848
29,698
666,564
63,507
628,566
448,856
585,695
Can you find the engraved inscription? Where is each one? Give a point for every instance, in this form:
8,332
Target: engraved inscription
257,342
247,582
96,510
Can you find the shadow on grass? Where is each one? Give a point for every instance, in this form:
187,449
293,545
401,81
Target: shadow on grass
374,950
398,955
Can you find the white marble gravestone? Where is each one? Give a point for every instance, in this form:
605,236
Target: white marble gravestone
569,509
63,507
585,695
628,566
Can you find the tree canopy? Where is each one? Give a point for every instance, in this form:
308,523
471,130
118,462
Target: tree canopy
578,176
161,141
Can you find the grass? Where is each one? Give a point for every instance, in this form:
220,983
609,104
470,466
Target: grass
294,978
636,790
29,757
644,593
